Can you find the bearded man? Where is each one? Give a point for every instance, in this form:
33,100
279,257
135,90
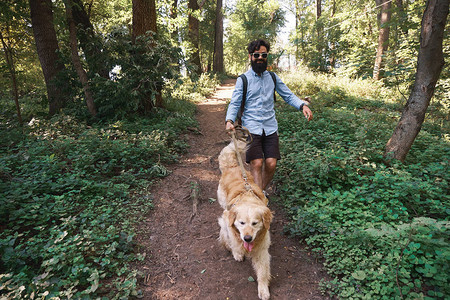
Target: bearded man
258,115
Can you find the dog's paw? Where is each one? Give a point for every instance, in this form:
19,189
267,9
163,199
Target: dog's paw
263,292
238,256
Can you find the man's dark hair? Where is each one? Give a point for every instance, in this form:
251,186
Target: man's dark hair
255,45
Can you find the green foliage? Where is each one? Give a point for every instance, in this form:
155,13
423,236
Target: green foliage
314,40
192,89
141,69
345,37
106,16
18,38
406,261
356,38
207,33
383,230
71,193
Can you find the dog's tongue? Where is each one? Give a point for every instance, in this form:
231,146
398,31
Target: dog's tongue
248,246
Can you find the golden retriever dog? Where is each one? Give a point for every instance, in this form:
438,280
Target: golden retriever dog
245,222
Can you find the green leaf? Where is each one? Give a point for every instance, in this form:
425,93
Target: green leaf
359,275
251,279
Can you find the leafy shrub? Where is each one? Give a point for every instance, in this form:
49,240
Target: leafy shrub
193,89
139,71
386,262
70,194
383,230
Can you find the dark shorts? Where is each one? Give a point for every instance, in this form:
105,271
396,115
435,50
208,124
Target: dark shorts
263,146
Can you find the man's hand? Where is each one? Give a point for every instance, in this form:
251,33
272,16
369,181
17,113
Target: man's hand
229,126
307,112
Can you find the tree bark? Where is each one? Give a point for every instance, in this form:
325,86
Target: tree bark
297,22
173,16
144,20
194,36
383,37
332,58
47,49
76,59
89,42
320,34
429,66
12,71
144,17
318,9
218,40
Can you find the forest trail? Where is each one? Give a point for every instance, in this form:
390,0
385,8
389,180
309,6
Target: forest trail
183,258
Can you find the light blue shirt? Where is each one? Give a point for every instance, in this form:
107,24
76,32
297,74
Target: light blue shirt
259,112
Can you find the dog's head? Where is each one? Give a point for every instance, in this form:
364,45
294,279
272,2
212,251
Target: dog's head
251,222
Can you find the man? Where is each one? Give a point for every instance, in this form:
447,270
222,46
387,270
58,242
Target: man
258,115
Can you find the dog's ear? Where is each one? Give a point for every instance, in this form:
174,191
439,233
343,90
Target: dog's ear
231,217
267,218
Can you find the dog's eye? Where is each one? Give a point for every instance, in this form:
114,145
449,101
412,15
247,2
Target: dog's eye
254,223
242,223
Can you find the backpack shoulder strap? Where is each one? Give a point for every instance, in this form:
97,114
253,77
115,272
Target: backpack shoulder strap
244,97
275,84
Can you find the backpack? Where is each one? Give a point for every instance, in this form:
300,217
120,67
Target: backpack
244,94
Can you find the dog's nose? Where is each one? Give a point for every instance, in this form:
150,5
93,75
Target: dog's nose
248,238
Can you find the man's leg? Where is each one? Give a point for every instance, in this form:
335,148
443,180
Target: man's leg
271,150
270,165
263,169
256,168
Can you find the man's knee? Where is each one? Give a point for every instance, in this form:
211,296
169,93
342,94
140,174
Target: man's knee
271,163
256,164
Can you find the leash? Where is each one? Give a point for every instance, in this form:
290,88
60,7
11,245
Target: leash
238,154
245,133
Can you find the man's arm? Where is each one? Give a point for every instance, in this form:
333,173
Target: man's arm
235,104
292,99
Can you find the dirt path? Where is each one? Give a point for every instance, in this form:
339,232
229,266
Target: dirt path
184,259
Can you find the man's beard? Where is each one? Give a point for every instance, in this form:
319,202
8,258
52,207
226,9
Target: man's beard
259,67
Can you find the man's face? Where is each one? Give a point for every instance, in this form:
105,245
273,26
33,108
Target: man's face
259,64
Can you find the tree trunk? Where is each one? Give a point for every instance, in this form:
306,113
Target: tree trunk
76,59
297,22
144,20
144,17
12,71
318,9
173,16
89,42
383,37
402,16
194,25
47,49
332,58
319,44
153,26
218,40
429,66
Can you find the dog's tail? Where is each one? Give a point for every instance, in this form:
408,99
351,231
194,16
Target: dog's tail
228,158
